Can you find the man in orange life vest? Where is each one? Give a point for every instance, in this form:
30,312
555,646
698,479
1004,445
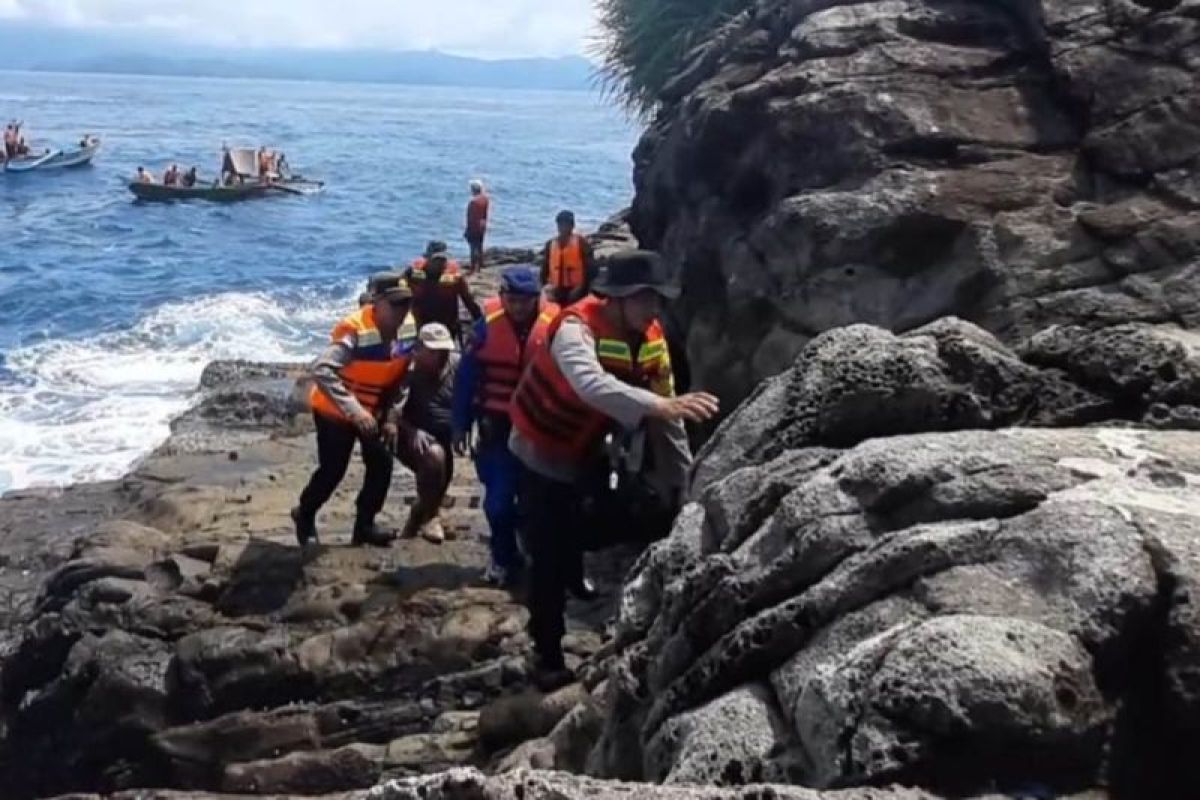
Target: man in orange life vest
568,266
355,382
512,327
604,365
438,285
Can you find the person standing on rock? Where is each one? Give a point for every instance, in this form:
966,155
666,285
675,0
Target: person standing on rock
568,265
513,326
438,286
423,430
478,208
355,382
604,365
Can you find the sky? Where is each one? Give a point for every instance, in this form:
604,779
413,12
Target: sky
481,28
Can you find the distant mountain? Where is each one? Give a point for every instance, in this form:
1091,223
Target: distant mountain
25,47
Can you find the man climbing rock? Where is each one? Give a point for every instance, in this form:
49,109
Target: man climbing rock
604,365
568,266
438,285
355,382
420,431
512,327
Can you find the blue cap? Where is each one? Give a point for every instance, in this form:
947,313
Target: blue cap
519,280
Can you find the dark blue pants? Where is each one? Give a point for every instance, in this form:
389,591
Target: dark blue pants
498,471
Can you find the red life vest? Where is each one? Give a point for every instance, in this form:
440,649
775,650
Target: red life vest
545,407
376,369
565,265
435,302
503,356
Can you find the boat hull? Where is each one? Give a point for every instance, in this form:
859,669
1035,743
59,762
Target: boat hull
156,192
59,159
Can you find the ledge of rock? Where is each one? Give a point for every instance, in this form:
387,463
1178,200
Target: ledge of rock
1017,164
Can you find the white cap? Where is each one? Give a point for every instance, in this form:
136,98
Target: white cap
476,185
436,336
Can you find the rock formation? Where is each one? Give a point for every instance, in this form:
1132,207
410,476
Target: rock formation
872,586
1017,163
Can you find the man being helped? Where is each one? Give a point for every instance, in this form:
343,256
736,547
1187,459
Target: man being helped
513,326
355,382
438,285
568,267
420,429
604,364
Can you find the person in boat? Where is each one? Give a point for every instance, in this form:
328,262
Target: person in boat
144,176
171,176
282,168
189,178
438,285
266,165
229,174
10,141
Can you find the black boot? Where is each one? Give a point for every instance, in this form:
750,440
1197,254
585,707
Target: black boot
368,533
306,527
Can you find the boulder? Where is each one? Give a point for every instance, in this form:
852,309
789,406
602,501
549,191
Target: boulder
820,164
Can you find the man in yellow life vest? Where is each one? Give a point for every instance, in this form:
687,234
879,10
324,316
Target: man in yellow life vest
568,266
355,383
603,367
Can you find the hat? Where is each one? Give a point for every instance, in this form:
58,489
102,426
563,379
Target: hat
629,272
436,336
435,246
388,286
565,216
476,186
519,280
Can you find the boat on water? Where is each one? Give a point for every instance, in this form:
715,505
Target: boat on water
157,192
240,180
78,156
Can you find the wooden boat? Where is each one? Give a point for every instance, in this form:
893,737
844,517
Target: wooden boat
56,159
156,192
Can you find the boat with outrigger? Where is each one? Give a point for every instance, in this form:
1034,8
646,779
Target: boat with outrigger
17,157
246,174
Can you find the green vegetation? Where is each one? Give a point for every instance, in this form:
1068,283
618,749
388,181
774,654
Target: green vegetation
643,44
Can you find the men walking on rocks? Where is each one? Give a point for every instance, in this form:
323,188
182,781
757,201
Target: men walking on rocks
420,431
355,382
438,285
514,324
568,266
604,365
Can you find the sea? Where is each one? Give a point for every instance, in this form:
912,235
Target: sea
110,309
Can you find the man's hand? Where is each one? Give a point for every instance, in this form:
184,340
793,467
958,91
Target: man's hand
391,435
694,407
366,426
462,442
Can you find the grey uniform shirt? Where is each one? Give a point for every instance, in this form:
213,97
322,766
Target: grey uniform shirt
574,351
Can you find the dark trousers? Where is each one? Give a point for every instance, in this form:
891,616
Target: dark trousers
550,520
433,472
335,444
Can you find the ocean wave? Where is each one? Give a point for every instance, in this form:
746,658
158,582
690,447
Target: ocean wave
87,410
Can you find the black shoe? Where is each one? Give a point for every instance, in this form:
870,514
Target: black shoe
549,676
306,527
583,589
372,535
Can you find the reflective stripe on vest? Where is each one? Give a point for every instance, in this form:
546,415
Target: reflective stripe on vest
565,264
545,408
376,368
503,356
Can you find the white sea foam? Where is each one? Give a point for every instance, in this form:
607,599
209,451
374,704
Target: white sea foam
86,410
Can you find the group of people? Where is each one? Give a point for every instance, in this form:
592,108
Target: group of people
270,166
568,409
14,141
171,176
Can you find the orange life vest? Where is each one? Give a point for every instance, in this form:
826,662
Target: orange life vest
565,264
545,408
417,274
376,369
503,356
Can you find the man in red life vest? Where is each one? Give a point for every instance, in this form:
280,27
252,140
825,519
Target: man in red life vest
568,267
478,208
355,382
604,366
438,286
514,324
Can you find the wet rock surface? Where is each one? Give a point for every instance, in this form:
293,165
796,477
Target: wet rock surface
1017,164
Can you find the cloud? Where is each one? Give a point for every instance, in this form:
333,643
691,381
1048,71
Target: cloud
470,27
